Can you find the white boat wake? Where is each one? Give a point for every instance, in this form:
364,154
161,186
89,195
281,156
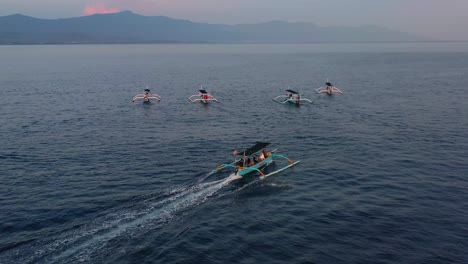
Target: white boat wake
80,245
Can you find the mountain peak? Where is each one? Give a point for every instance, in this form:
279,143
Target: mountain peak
18,16
126,13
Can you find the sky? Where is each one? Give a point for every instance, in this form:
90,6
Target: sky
438,19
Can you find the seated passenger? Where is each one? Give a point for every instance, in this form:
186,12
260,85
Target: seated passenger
255,159
265,153
249,162
262,156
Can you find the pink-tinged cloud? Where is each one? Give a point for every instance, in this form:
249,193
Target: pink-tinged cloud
98,8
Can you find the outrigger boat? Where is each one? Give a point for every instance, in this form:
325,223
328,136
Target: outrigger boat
203,96
255,159
146,97
330,89
292,97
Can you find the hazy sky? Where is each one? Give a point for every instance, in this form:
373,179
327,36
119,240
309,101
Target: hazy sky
442,19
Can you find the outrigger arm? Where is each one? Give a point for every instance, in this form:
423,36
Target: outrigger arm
282,156
282,99
196,98
142,96
332,91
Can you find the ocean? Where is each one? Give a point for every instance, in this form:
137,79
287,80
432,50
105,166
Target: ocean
88,176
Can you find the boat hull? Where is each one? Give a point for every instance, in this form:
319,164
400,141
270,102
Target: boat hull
295,102
255,167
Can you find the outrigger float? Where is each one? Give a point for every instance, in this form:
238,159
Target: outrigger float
255,159
330,89
146,97
203,96
292,97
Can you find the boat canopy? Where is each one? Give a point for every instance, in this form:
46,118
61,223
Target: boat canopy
328,84
203,91
257,147
147,90
291,91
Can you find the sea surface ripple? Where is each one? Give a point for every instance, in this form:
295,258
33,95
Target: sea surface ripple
88,176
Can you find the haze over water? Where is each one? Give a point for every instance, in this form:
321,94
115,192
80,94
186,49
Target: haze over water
88,176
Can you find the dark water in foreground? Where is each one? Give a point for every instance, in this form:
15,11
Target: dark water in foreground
88,176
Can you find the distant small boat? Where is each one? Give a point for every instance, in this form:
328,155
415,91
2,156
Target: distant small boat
292,97
146,97
330,89
203,96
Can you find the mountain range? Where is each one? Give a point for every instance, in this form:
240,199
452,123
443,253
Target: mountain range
128,27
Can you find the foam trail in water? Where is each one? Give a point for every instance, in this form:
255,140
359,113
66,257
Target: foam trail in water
80,245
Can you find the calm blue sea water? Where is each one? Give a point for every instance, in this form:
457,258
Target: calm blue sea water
88,176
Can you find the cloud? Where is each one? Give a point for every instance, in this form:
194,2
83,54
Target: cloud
98,8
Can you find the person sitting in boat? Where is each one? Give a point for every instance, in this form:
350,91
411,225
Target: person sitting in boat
241,162
290,96
265,153
147,94
249,162
204,96
330,88
255,159
262,156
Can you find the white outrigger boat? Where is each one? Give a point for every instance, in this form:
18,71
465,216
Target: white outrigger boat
292,97
330,89
203,96
255,159
146,97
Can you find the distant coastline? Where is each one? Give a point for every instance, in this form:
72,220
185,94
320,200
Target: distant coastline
256,48
230,43
130,28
